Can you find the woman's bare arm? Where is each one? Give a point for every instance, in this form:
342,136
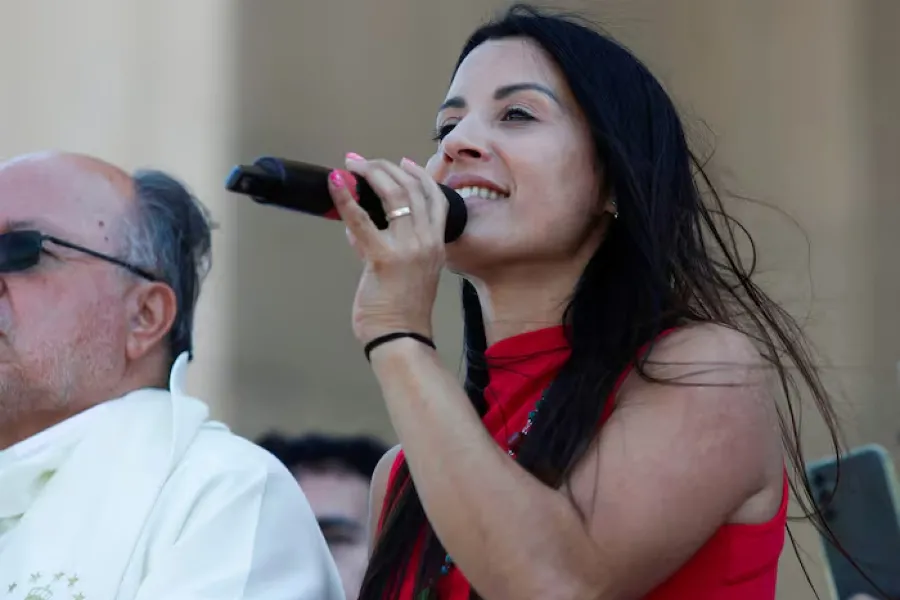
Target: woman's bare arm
671,466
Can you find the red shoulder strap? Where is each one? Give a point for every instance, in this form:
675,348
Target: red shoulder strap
611,402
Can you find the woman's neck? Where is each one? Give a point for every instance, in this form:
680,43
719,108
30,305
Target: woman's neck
533,300
523,297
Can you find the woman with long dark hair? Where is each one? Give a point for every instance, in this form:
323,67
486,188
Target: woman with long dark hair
617,435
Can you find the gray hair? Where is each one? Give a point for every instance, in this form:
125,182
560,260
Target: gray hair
170,237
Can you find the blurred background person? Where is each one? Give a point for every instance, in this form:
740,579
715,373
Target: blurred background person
334,473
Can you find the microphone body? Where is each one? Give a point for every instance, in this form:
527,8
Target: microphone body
304,187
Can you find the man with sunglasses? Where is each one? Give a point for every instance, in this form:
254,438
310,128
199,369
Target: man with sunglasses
114,483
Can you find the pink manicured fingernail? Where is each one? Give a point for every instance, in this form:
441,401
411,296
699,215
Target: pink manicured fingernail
337,180
349,180
354,156
408,161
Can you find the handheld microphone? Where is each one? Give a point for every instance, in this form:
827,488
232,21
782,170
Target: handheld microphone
304,187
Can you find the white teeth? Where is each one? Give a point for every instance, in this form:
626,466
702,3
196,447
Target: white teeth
481,192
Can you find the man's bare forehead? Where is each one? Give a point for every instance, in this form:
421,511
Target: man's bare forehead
57,193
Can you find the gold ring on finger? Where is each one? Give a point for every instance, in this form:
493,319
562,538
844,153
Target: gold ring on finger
403,211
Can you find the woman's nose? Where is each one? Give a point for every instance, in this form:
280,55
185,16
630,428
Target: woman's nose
464,142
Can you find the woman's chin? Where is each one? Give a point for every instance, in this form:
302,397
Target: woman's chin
472,255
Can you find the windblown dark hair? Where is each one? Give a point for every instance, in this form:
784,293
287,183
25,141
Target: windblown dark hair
670,259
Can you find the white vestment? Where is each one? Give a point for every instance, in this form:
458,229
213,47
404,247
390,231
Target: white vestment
144,498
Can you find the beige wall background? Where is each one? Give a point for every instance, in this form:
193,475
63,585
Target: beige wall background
797,96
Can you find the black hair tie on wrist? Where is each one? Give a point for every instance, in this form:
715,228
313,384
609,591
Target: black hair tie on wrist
389,337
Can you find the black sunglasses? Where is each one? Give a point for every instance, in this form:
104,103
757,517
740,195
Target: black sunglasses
21,250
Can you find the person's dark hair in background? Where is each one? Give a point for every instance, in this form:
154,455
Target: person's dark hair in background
358,454
334,473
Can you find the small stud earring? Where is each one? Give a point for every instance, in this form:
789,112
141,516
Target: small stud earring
615,209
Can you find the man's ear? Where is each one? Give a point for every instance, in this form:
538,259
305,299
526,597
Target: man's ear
151,312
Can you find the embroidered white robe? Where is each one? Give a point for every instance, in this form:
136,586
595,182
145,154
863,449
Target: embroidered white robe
144,498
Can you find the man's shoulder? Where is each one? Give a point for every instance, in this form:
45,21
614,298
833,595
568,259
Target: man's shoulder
224,473
217,454
235,504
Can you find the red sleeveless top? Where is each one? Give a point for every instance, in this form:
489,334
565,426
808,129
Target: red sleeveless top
740,562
